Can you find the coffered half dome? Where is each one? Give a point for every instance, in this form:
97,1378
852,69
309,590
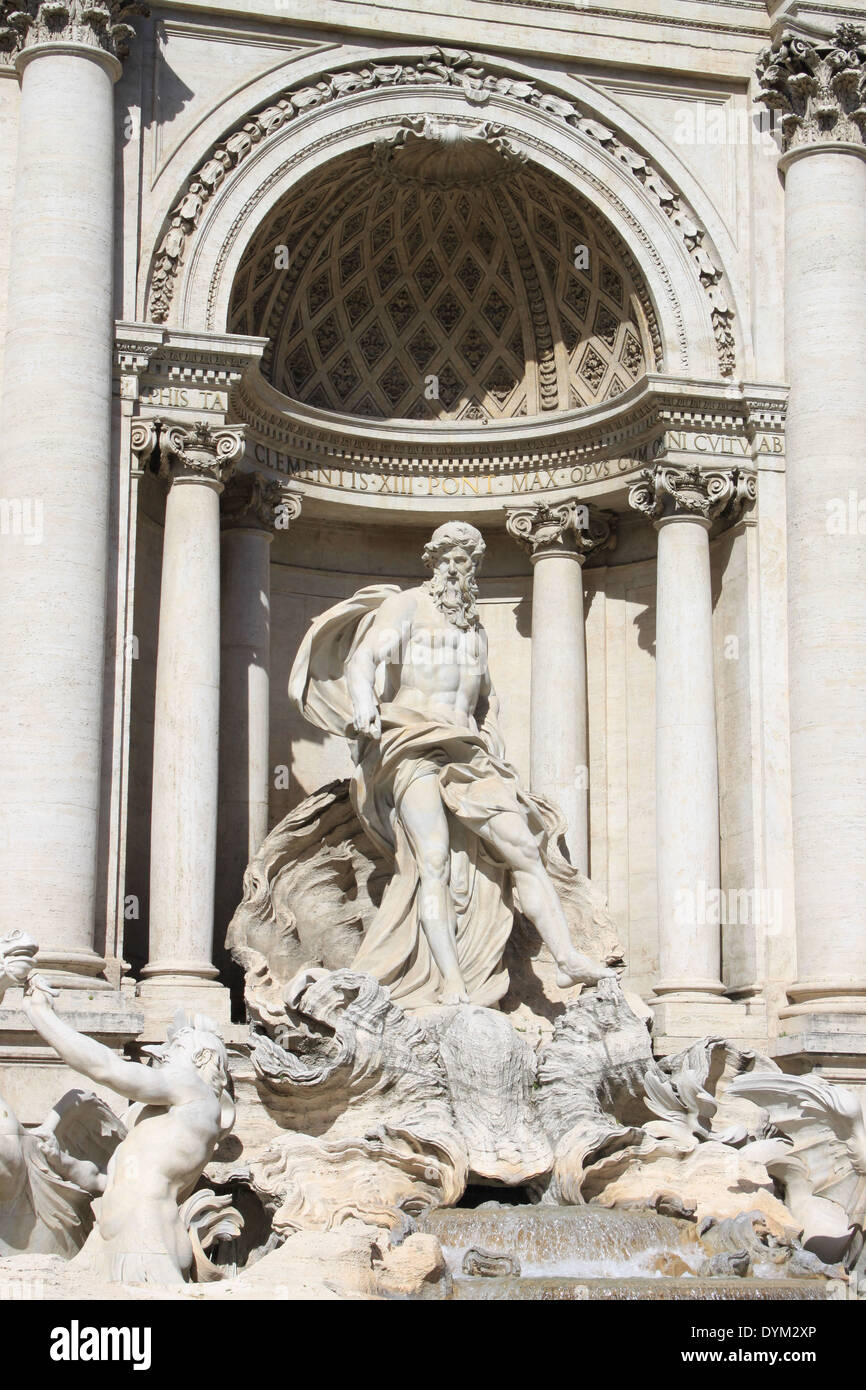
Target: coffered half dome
439,276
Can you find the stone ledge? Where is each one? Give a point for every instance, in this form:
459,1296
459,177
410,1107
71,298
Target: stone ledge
111,1017
821,1042
678,1024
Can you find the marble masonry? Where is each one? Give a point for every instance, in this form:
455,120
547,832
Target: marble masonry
433,608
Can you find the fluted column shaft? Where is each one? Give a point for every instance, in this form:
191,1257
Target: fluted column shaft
682,503
687,772
55,444
196,464
558,540
820,87
252,511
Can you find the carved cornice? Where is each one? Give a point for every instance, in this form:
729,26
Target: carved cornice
176,357
198,451
627,426
479,84
819,86
100,24
251,502
572,528
667,492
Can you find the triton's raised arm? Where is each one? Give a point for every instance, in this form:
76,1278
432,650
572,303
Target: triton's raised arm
384,641
131,1079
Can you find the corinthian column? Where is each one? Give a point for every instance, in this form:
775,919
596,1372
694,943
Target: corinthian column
252,510
819,86
55,441
195,462
558,540
682,504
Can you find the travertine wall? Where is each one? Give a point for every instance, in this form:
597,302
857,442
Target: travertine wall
680,91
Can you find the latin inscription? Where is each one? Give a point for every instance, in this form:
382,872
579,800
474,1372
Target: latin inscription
530,482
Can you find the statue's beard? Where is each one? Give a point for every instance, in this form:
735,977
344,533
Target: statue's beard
457,599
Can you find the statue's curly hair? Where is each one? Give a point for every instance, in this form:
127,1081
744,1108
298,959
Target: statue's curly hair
453,533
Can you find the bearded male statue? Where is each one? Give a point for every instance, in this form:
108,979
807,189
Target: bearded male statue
404,676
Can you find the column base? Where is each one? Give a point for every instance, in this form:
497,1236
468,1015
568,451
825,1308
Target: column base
74,970
678,1021
33,1077
161,995
817,1049
830,997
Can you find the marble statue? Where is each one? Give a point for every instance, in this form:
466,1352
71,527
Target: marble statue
181,1108
50,1174
404,676
818,1157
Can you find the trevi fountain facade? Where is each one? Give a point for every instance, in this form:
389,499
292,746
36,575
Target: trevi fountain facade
432,606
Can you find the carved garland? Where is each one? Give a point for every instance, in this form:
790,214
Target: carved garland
436,68
672,491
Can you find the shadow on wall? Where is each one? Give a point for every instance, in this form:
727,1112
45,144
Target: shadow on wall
645,622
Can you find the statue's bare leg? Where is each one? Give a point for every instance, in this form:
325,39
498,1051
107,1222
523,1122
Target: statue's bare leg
426,825
511,838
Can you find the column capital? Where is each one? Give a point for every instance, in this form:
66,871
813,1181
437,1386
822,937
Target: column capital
668,492
253,503
199,451
98,25
143,436
569,528
819,86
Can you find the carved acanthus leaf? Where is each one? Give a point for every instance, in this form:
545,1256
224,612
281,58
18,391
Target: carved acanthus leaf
819,86
572,527
95,23
198,450
671,491
253,502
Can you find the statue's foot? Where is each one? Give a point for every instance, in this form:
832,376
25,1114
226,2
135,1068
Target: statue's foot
454,992
578,969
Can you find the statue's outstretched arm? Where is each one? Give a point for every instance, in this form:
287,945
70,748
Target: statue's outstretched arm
93,1059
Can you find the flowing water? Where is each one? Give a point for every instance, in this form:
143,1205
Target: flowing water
584,1253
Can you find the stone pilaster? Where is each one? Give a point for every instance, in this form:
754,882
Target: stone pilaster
819,87
558,540
55,459
682,504
253,510
195,462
